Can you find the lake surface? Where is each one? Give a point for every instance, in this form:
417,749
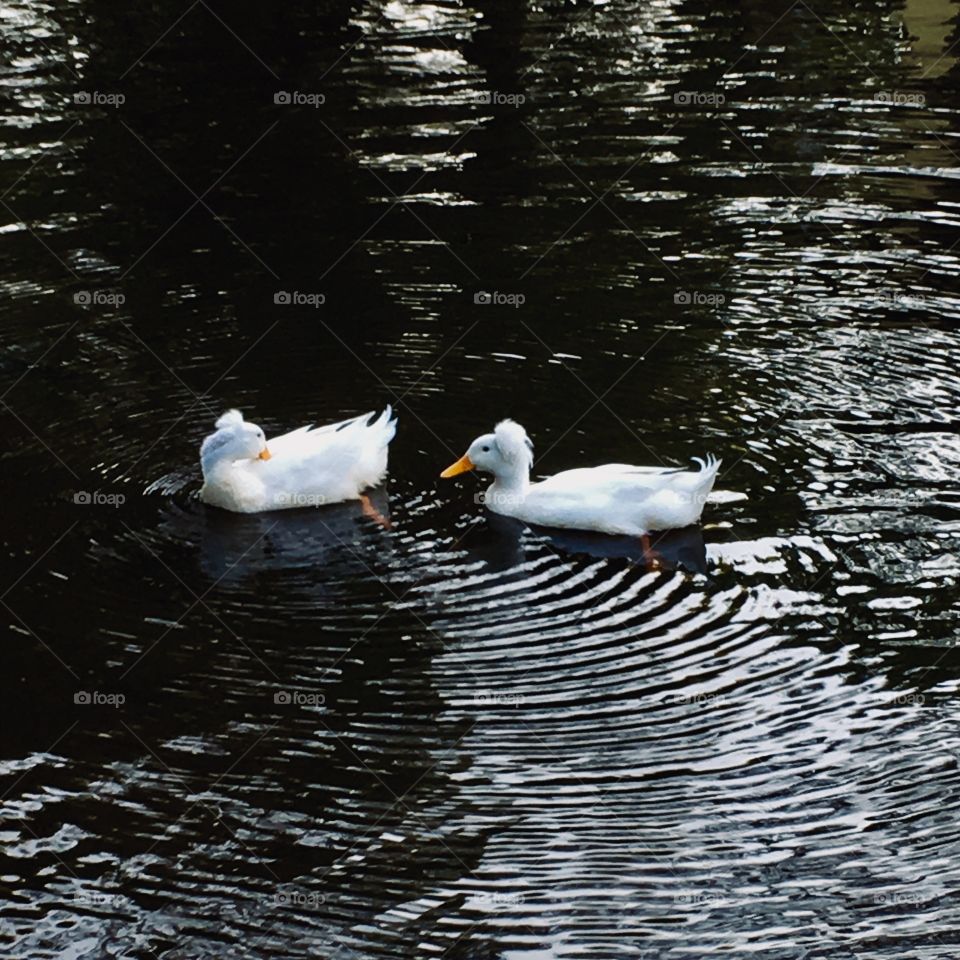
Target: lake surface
710,228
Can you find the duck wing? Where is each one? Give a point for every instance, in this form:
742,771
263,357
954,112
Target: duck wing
304,440
329,463
620,498
611,479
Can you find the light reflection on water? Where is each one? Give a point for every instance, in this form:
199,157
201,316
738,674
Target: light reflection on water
457,736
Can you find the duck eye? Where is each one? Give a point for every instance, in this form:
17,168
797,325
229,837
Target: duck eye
485,449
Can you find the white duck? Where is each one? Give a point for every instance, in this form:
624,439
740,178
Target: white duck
616,498
306,467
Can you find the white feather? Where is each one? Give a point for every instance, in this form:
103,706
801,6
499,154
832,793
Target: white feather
232,418
309,466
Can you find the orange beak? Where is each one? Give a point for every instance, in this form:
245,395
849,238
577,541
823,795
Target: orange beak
264,454
461,466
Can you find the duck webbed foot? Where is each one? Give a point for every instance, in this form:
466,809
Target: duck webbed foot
651,559
369,510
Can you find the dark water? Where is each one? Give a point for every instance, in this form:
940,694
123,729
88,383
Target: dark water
455,738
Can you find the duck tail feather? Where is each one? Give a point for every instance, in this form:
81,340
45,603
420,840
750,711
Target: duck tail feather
710,464
387,423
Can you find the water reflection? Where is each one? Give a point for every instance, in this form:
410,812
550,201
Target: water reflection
240,547
502,542
489,740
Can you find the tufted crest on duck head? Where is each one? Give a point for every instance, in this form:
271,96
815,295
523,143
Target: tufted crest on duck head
513,443
232,418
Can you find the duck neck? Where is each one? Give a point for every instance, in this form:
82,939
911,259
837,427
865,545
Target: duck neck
512,484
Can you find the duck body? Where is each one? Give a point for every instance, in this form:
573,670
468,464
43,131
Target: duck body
615,498
306,467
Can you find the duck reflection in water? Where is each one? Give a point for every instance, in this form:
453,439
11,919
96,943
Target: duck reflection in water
500,543
235,546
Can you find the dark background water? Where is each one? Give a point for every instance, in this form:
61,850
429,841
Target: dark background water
452,738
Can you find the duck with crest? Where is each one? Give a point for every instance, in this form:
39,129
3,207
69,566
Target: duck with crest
616,498
306,467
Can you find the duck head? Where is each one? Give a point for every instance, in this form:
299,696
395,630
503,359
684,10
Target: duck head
235,439
507,453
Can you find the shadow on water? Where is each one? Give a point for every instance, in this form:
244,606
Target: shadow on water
500,543
237,547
